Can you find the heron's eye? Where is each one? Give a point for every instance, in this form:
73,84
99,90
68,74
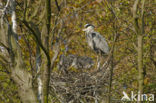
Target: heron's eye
87,26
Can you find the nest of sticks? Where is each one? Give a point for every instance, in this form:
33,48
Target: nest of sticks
80,87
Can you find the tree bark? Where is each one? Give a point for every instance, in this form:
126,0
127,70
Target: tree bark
47,62
140,64
21,77
115,37
24,81
38,70
139,31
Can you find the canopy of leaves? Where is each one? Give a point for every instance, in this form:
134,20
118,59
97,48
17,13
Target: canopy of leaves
110,17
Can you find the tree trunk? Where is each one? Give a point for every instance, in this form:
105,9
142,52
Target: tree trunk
140,64
139,31
38,71
47,63
24,81
18,73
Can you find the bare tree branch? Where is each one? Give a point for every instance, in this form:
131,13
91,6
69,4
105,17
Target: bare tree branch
37,39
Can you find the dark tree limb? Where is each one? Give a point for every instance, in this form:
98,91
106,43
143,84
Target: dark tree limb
57,5
37,39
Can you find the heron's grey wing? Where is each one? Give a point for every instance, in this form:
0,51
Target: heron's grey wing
100,42
90,41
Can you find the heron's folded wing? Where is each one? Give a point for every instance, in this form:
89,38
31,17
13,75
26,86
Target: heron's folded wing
101,43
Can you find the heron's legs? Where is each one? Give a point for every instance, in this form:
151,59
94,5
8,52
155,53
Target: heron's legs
105,64
98,62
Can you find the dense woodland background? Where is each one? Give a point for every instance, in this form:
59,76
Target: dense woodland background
35,33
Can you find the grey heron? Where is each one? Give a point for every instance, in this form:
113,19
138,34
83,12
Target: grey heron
78,62
96,41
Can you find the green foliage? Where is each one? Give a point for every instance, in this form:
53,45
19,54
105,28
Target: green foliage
8,92
74,14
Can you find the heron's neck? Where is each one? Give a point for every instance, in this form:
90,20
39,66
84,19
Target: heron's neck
90,31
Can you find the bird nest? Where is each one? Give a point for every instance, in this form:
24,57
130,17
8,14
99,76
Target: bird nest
77,87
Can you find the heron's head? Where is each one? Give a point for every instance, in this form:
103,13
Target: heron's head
89,28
